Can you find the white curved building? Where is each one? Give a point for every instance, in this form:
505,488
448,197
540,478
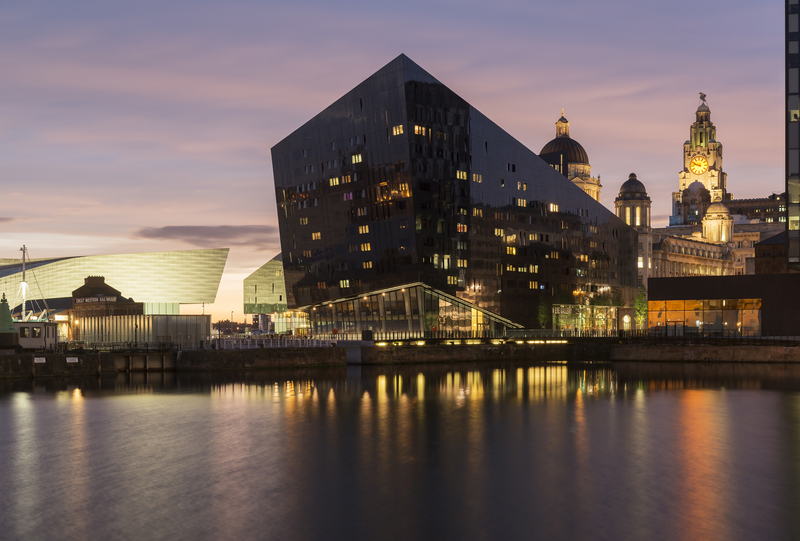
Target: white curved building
161,280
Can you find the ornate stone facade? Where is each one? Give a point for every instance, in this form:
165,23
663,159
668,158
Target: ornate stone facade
569,158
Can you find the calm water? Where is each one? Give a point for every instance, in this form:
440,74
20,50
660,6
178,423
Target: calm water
503,451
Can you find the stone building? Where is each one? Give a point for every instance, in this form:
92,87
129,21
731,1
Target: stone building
95,298
703,183
568,157
770,255
664,255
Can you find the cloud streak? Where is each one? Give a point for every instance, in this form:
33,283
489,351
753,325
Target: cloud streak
259,237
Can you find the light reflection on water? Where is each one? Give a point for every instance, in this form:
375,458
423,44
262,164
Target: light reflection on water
478,451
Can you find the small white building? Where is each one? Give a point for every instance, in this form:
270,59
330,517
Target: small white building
37,335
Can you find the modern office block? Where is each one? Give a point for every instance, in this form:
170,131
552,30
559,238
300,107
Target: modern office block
402,182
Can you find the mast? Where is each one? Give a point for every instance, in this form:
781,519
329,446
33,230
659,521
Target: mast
24,285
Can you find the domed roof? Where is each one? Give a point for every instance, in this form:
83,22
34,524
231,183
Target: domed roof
632,185
717,208
564,145
696,187
703,108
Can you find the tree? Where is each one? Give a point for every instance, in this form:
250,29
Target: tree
641,308
544,313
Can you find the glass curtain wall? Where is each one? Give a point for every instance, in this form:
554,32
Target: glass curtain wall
709,316
580,318
409,310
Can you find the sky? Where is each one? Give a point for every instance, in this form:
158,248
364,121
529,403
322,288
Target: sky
147,126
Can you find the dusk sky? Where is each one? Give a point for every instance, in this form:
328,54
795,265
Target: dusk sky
147,126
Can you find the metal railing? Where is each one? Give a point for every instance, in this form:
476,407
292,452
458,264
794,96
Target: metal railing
277,342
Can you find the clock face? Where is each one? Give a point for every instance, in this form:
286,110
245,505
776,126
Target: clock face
698,165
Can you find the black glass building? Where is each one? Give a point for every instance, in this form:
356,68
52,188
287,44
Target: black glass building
402,207
793,133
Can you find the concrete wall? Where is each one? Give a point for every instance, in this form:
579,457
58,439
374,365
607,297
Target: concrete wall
24,366
739,354
245,359
126,362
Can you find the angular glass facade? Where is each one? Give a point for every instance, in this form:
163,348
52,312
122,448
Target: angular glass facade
793,133
265,289
161,280
402,181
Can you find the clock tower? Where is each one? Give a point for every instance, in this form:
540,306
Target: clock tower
702,164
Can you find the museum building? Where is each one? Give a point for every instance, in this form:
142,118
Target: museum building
402,208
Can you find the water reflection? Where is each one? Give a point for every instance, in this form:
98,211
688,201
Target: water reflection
467,450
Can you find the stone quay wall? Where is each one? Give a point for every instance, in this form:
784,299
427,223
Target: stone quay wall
596,351
28,365
248,359
706,354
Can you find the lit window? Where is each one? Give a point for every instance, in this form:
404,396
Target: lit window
344,283
303,221
345,179
363,229
498,232
397,130
452,280
462,228
641,262
306,253
347,196
510,268
322,285
477,178
461,175
533,236
356,158
334,181
361,211
365,247
553,207
533,285
533,268
367,264
316,236
522,202
477,212
462,263
511,250
419,130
